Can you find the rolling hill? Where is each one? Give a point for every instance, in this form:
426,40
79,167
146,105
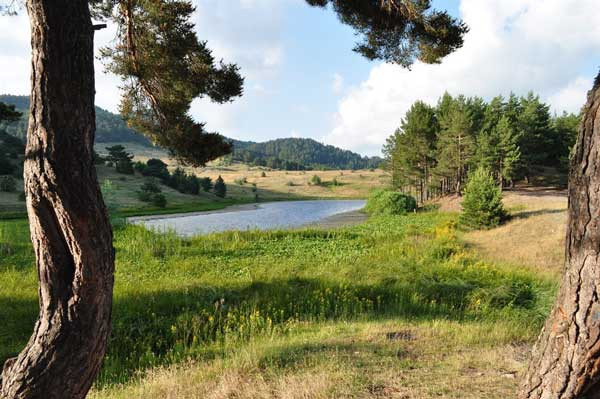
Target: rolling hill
109,127
286,153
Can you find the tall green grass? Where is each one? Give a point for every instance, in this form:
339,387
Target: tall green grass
180,298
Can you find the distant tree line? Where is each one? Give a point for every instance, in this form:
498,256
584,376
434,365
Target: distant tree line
300,154
178,180
435,147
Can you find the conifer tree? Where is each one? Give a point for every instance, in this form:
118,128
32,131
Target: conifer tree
565,128
220,188
482,203
510,151
536,139
456,144
8,113
413,149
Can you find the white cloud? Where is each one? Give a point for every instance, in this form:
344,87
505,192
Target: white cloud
338,83
15,67
513,45
571,97
243,31
273,57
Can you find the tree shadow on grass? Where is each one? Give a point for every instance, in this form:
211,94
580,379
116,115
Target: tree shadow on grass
527,214
167,326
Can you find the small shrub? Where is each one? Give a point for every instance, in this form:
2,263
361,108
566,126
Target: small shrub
97,159
388,202
316,180
482,202
151,187
8,184
263,174
145,196
140,167
290,184
241,181
125,167
159,200
220,187
206,183
335,182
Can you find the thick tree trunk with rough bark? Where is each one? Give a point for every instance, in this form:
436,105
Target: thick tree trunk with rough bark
566,358
70,230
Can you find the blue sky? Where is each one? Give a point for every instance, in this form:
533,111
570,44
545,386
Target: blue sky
303,80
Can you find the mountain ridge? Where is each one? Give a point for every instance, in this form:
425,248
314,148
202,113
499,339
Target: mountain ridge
283,153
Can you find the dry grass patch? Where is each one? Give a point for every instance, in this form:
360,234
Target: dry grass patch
279,184
535,235
385,359
533,238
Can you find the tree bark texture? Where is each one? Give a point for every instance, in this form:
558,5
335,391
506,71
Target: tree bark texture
566,359
70,229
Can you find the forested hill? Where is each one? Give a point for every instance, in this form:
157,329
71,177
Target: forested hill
109,127
298,154
290,153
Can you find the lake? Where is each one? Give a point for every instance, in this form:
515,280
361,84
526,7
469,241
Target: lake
264,216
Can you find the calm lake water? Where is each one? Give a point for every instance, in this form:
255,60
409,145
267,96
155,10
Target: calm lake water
265,216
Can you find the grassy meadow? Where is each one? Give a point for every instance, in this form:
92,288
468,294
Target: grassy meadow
121,196
244,182
398,307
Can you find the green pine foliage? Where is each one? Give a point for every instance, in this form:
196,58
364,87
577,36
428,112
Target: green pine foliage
206,184
456,142
220,188
151,192
164,67
509,151
121,159
159,201
399,33
411,149
515,139
482,203
389,202
537,137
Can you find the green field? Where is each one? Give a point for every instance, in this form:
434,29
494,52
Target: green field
121,196
396,306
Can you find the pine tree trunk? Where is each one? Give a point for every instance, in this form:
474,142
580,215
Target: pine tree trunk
70,230
566,359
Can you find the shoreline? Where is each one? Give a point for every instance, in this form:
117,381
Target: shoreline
343,219
228,209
